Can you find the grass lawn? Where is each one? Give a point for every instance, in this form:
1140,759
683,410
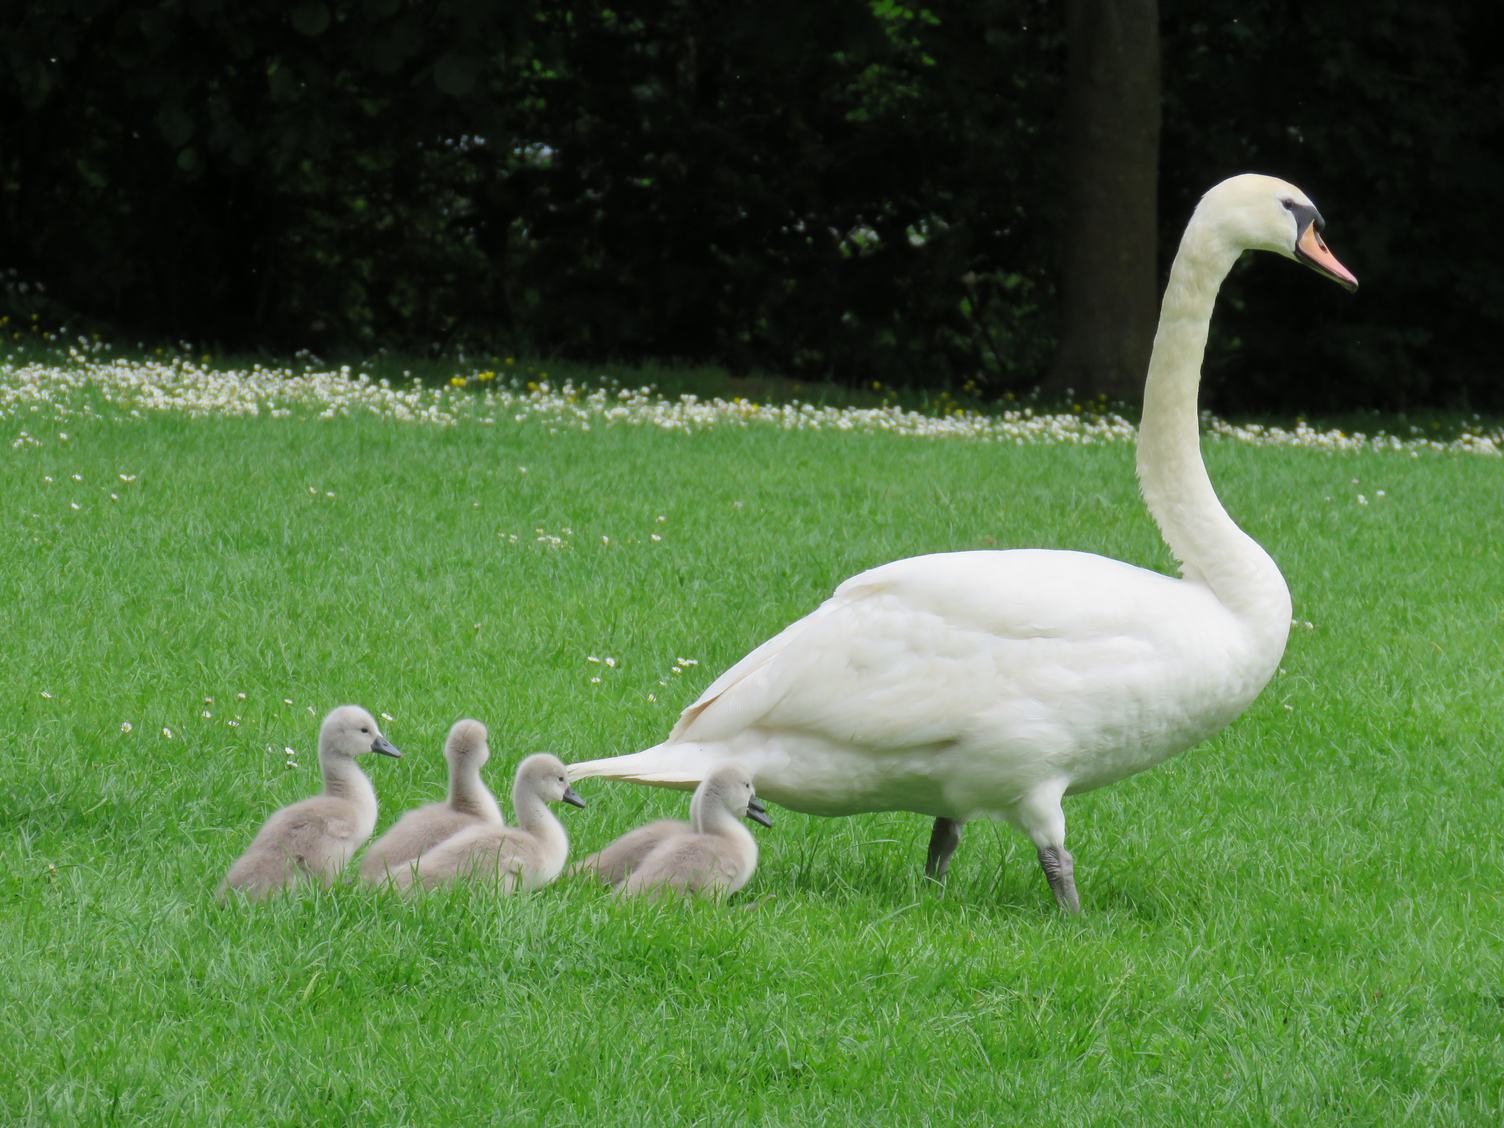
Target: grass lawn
1300,921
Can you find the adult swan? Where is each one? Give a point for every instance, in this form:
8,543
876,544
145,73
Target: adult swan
969,685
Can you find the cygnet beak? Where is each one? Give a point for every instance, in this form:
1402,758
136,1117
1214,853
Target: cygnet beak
757,812
385,747
572,799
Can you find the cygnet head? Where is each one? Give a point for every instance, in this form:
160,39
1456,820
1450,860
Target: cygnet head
731,787
546,777
351,731
466,745
1263,213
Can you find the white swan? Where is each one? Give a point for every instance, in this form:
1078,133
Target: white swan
468,804
974,685
314,838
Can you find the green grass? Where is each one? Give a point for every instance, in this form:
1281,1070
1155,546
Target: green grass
1300,921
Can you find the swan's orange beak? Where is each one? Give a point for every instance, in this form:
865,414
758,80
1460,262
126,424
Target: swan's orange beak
1312,250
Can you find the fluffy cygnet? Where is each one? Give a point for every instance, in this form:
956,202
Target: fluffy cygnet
525,856
716,857
315,838
613,863
468,804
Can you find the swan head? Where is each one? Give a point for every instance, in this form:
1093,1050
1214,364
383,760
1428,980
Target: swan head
1263,213
731,787
466,744
351,731
546,777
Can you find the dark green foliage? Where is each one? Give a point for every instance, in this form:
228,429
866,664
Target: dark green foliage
1392,118
858,189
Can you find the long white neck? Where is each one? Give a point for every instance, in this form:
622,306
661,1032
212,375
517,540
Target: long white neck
534,816
468,794
1212,550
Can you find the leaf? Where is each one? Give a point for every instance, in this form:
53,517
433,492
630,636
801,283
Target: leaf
455,74
175,124
311,19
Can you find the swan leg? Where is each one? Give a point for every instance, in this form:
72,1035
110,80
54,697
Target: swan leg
1041,817
943,842
1060,870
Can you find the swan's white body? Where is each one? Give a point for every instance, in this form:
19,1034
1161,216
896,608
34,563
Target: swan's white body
956,684
989,684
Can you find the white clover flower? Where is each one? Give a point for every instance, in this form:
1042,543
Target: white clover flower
167,732
186,385
126,726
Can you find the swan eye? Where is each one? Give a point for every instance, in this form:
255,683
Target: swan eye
1289,205
366,731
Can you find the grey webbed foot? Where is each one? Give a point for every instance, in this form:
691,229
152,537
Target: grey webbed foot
943,842
1060,869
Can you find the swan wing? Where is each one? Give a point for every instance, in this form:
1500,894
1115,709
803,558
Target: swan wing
752,666
913,653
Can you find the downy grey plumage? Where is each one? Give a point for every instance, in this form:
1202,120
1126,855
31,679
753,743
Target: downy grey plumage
468,804
315,838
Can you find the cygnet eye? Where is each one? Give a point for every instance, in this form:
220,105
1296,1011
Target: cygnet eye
366,731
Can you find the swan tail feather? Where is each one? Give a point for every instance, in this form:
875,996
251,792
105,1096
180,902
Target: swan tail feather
664,765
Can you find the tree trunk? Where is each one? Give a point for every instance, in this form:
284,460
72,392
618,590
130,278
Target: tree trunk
1108,274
